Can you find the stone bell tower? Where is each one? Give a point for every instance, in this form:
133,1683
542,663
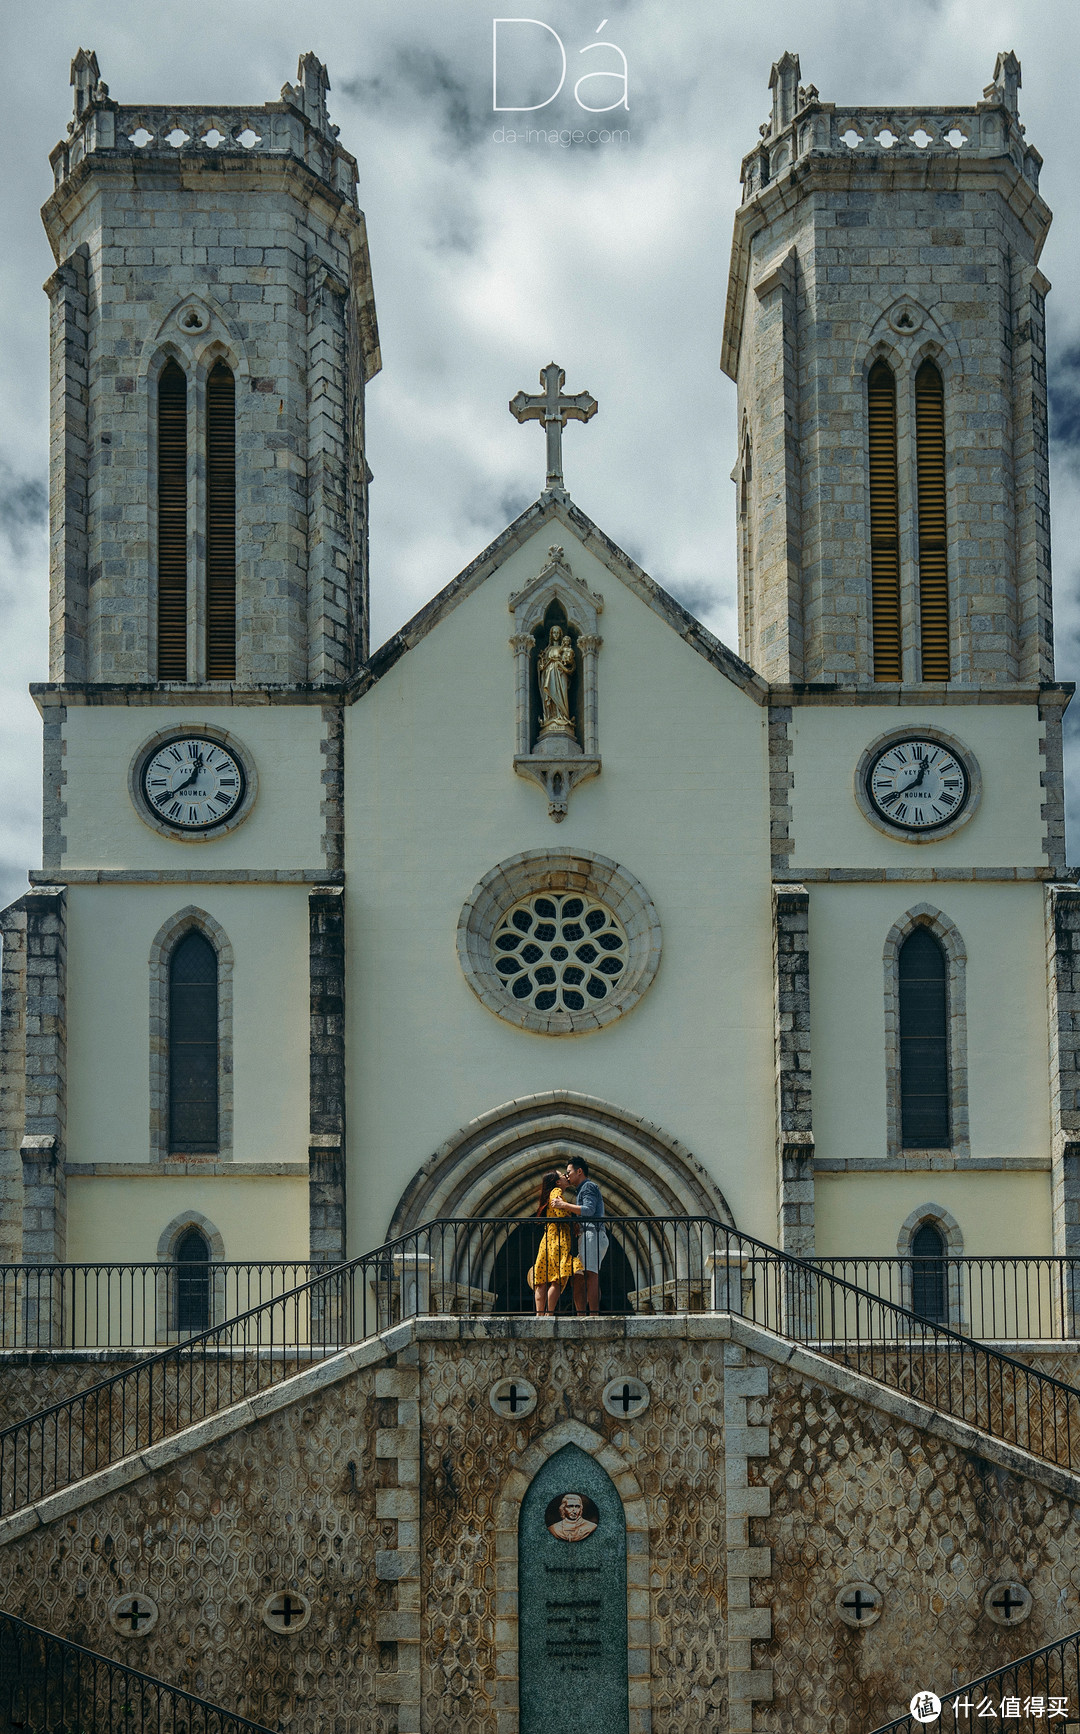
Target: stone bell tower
885,328
213,329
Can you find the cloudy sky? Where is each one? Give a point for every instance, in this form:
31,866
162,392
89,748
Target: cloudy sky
491,258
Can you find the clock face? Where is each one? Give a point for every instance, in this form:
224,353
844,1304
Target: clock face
193,783
917,784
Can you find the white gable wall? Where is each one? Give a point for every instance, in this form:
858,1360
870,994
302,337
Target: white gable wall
433,802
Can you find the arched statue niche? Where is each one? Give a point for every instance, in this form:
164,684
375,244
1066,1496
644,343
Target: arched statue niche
553,629
557,731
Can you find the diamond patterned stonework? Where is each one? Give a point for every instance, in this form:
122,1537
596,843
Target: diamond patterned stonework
384,1491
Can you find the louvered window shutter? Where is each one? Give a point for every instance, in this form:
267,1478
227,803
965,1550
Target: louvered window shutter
924,1043
193,1045
884,522
172,524
221,524
933,562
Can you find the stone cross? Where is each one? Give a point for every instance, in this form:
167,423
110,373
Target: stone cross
861,1604
1008,1602
554,408
133,1613
286,1610
513,1398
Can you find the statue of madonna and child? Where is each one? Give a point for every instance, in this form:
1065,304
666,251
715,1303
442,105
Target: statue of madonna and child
554,667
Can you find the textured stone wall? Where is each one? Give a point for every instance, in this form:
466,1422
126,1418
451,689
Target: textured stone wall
855,1496
763,1488
12,1076
674,1452
257,255
326,1148
794,1115
1063,980
289,1503
68,467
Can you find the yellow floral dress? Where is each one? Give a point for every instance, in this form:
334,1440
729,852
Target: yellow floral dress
556,1260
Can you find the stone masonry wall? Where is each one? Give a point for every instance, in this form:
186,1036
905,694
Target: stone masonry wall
855,251
200,253
764,1489
856,1496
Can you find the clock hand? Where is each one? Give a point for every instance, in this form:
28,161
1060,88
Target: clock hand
924,766
192,777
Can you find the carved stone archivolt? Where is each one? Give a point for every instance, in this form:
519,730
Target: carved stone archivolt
555,644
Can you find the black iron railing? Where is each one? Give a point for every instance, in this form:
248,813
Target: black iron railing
998,1299
136,1306
51,1686
1039,1691
470,1266
149,1305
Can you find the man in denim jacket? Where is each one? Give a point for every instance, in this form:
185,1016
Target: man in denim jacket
593,1242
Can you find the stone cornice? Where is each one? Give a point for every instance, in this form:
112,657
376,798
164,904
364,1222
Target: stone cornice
161,695
1050,695
187,876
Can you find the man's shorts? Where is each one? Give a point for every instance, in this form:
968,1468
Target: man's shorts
592,1247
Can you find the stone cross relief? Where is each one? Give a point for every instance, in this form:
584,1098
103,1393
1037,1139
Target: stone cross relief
554,408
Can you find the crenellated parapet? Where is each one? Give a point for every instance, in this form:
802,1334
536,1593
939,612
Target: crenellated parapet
802,125
297,127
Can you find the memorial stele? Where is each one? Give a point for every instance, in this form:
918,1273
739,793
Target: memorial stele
329,944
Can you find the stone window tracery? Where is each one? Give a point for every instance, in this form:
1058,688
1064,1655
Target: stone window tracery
559,952
559,943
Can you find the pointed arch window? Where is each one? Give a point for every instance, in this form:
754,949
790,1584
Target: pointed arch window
192,1257
884,522
929,1274
193,1045
933,556
172,444
221,523
924,1042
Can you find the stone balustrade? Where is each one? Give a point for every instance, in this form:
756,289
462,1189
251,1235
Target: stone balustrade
276,129
990,129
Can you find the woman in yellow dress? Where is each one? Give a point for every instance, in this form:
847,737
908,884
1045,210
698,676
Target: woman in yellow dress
556,1261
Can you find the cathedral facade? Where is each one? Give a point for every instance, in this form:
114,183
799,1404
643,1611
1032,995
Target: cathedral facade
329,944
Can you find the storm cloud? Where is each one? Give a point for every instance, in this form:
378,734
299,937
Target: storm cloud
492,258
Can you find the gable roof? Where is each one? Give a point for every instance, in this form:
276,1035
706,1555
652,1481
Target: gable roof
557,507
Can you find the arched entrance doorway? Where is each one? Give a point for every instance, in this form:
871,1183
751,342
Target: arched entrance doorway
489,1171
515,1253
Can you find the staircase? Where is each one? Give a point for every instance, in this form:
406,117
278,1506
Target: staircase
51,1686
675,1264
1040,1690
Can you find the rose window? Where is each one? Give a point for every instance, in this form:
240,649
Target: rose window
559,952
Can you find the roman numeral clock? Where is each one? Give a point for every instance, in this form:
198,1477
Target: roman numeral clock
193,785
917,786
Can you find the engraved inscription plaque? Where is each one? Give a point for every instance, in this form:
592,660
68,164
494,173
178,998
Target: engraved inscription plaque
572,1600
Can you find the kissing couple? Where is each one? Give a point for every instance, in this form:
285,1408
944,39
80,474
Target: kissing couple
566,1193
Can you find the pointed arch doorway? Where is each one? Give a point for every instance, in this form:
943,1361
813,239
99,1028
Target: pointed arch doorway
490,1170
